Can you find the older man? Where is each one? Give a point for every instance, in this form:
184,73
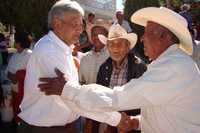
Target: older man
167,93
121,66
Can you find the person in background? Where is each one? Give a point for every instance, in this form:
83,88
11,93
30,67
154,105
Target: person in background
3,49
32,40
186,14
89,24
121,21
91,61
196,49
85,44
16,69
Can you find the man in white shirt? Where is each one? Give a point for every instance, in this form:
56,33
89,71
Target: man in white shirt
167,93
92,60
50,114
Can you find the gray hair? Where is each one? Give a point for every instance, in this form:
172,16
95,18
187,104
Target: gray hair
61,7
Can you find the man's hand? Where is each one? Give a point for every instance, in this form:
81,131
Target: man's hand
127,123
53,86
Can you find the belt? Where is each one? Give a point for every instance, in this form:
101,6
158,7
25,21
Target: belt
69,125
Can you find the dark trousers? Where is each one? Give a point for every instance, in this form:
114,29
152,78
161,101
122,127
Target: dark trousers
26,128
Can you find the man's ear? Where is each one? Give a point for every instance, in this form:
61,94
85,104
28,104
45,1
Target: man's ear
56,23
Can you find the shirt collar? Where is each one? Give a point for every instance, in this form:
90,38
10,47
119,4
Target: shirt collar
170,49
58,42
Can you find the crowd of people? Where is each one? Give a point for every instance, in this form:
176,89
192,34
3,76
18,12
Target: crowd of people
83,75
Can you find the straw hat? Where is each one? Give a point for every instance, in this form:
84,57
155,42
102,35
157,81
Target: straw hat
102,22
170,20
115,32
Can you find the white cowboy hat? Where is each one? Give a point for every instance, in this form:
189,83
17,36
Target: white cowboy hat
115,32
170,20
102,22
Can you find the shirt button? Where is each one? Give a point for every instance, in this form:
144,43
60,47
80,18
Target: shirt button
106,78
106,67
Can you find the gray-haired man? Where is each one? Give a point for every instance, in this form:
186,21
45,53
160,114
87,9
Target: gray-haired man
53,114
50,114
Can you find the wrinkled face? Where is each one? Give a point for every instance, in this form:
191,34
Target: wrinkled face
153,40
118,49
69,27
94,36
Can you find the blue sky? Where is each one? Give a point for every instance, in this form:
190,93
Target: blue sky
119,5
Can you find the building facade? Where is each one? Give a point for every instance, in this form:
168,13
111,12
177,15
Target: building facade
102,8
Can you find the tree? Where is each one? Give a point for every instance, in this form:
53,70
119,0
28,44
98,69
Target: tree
171,3
29,15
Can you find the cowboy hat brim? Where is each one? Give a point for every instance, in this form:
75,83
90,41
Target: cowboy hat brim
170,20
131,37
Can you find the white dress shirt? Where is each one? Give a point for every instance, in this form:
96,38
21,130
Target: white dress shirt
41,110
89,65
167,93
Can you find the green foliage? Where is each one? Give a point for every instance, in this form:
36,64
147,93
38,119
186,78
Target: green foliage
175,3
29,15
133,5
2,28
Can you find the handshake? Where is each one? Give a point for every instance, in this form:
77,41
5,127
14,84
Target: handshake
127,123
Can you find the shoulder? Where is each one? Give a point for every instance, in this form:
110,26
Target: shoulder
180,63
107,64
87,56
44,45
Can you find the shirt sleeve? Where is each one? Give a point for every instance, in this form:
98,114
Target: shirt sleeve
111,118
150,89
